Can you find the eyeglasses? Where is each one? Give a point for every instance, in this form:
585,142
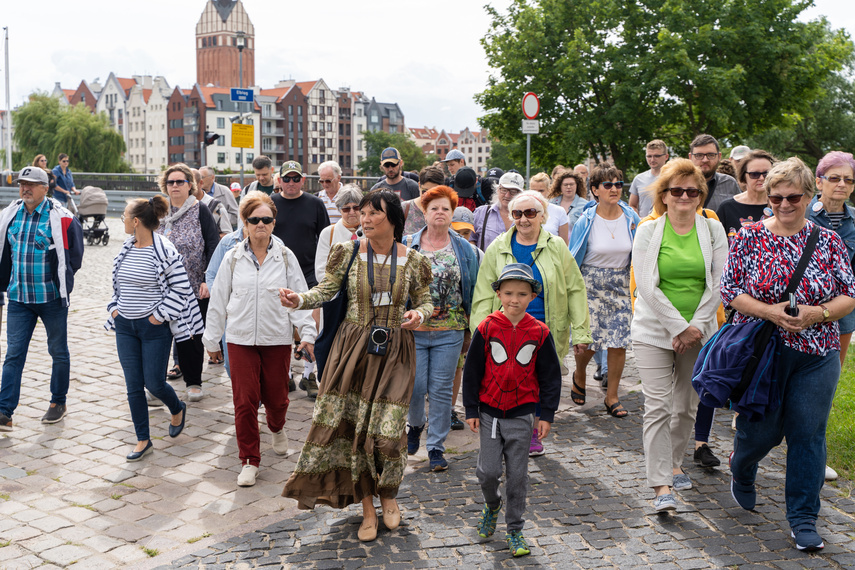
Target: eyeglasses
707,155
608,185
348,209
123,217
528,213
325,180
64,160
757,175
792,198
295,178
254,220
512,192
655,155
176,182
690,192
836,180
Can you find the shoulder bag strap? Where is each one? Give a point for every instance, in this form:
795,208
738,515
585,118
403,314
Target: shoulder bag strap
483,227
796,279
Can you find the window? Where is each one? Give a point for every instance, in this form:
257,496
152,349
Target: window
300,146
358,128
321,127
290,110
480,159
300,128
315,125
250,122
329,127
479,149
393,128
323,157
340,145
237,157
219,103
314,109
299,111
214,39
291,144
347,130
441,141
374,117
359,145
488,149
314,159
323,144
221,122
329,110
340,129
221,158
249,157
314,142
221,141
393,117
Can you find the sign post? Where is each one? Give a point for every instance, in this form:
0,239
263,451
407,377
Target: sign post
239,96
530,126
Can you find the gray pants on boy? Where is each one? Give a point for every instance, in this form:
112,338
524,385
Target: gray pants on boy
507,438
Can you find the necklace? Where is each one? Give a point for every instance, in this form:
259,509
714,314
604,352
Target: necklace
613,228
433,245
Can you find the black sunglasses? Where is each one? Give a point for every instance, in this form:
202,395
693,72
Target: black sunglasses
528,213
757,175
348,209
792,198
295,178
176,182
690,192
608,185
266,220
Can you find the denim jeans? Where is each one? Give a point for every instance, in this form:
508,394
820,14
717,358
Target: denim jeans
143,350
436,362
807,383
602,362
20,323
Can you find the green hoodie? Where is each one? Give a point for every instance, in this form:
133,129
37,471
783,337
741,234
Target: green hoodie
566,301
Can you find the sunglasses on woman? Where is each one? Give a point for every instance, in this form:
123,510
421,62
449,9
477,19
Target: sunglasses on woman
349,209
836,180
792,198
690,192
528,213
266,220
608,185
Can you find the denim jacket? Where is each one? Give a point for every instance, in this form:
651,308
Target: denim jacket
847,225
582,228
466,258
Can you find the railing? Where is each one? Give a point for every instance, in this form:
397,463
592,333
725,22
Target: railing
273,132
274,115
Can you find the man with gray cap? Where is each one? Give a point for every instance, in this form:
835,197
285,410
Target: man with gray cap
41,247
393,166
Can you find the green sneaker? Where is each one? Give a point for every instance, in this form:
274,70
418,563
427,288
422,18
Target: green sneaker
517,544
487,520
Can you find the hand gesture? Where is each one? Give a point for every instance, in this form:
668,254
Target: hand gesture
289,298
412,320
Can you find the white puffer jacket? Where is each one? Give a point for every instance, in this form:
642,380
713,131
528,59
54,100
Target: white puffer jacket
245,300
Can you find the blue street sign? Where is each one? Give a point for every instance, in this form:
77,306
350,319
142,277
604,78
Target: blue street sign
241,95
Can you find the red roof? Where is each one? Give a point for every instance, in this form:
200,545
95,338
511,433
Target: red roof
126,83
278,92
69,93
306,86
146,93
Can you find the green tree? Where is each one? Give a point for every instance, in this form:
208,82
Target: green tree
502,155
44,126
612,75
376,141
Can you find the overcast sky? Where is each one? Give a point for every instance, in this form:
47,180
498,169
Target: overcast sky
425,56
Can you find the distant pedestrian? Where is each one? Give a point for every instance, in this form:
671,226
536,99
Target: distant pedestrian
568,191
640,199
152,301
511,368
393,167
41,248
41,161
329,175
220,193
64,181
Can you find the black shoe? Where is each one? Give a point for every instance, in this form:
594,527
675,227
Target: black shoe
5,422
413,436
310,385
456,424
705,458
137,455
175,431
54,413
437,461
598,375
292,386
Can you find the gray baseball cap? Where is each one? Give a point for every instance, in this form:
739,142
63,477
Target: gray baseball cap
518,272
33,174
454,155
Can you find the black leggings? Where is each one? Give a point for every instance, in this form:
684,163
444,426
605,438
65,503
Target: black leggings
190,353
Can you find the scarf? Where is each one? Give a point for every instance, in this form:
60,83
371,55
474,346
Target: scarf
167,222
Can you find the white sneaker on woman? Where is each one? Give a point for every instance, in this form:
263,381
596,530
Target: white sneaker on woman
247,476
830,474
280,442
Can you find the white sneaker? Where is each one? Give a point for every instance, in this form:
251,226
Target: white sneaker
280,442
830,474
564,370
247,476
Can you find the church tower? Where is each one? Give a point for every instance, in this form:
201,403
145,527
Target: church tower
217,55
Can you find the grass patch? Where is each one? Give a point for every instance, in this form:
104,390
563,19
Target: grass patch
116,496
4,496
89,507
150,552
5,543
31,472
198,538
841,423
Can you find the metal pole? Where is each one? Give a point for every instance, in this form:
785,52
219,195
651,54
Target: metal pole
527,158
8,108
240,84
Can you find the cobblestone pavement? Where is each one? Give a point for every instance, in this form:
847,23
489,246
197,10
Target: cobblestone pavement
69,499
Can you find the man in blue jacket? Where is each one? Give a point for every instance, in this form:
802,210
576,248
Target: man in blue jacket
41,247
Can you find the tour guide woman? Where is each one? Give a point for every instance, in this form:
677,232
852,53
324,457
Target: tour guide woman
763,256
355,447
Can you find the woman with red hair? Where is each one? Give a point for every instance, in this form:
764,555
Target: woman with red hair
454,267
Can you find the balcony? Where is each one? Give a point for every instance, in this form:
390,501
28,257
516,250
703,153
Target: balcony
272,115
277,132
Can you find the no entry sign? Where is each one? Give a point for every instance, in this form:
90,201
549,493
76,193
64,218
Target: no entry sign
530,105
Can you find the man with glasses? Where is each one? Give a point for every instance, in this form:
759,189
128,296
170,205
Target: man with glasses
329,173
263,168
393,166
64,181
220,193
706,154
639,199
41,247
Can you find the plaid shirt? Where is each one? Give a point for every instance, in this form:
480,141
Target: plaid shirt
30,238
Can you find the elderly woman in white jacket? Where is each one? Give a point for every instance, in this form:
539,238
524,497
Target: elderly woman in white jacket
259,331
678,260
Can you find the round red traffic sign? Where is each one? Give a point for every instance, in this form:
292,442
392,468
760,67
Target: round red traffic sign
530,105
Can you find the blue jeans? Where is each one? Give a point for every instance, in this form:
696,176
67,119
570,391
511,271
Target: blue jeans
807,383
21,321
143,350
436,361
602,362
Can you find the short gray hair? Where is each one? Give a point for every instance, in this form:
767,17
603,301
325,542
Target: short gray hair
348,194
331,164
206,170
531,195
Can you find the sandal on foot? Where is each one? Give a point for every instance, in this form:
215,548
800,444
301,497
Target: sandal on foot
174,373
615,410
577,394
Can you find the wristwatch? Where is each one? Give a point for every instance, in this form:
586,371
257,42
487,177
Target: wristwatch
825,312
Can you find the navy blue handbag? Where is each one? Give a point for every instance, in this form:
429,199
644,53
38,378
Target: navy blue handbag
334,312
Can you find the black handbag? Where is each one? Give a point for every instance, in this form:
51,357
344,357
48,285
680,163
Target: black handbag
334,312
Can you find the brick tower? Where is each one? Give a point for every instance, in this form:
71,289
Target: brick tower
217,59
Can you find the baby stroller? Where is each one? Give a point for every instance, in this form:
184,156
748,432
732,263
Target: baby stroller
91,213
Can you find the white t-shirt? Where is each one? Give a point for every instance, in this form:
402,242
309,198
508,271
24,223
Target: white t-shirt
609,243
639,187
557,218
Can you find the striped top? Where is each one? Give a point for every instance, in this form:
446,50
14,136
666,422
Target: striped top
836,218
329,204
139,291
30,238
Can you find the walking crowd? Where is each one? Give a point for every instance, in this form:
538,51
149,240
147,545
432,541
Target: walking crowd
398,298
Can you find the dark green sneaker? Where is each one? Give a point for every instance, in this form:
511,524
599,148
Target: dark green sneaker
487,520
517,544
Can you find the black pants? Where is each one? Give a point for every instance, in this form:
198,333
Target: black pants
189,354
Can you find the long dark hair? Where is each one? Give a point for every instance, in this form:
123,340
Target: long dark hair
393,210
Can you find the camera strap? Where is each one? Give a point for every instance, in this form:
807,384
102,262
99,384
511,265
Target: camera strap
393,255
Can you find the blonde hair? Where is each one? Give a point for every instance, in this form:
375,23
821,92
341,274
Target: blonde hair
530,194
540,177
676,168
791,171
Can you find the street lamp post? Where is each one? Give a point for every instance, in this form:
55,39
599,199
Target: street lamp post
8,121
240,42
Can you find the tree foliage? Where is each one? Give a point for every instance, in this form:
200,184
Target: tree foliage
376,141
612,75
44,126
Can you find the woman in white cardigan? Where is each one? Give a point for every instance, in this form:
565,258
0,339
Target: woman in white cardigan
677,260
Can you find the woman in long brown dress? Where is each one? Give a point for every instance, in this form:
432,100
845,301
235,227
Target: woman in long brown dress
354,449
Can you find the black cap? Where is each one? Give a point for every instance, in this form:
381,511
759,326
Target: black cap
495,173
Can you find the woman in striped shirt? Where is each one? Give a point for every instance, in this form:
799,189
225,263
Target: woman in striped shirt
150,287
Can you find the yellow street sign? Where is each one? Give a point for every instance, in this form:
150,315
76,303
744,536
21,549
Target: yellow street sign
243,136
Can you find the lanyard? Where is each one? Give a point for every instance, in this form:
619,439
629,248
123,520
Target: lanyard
392,271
